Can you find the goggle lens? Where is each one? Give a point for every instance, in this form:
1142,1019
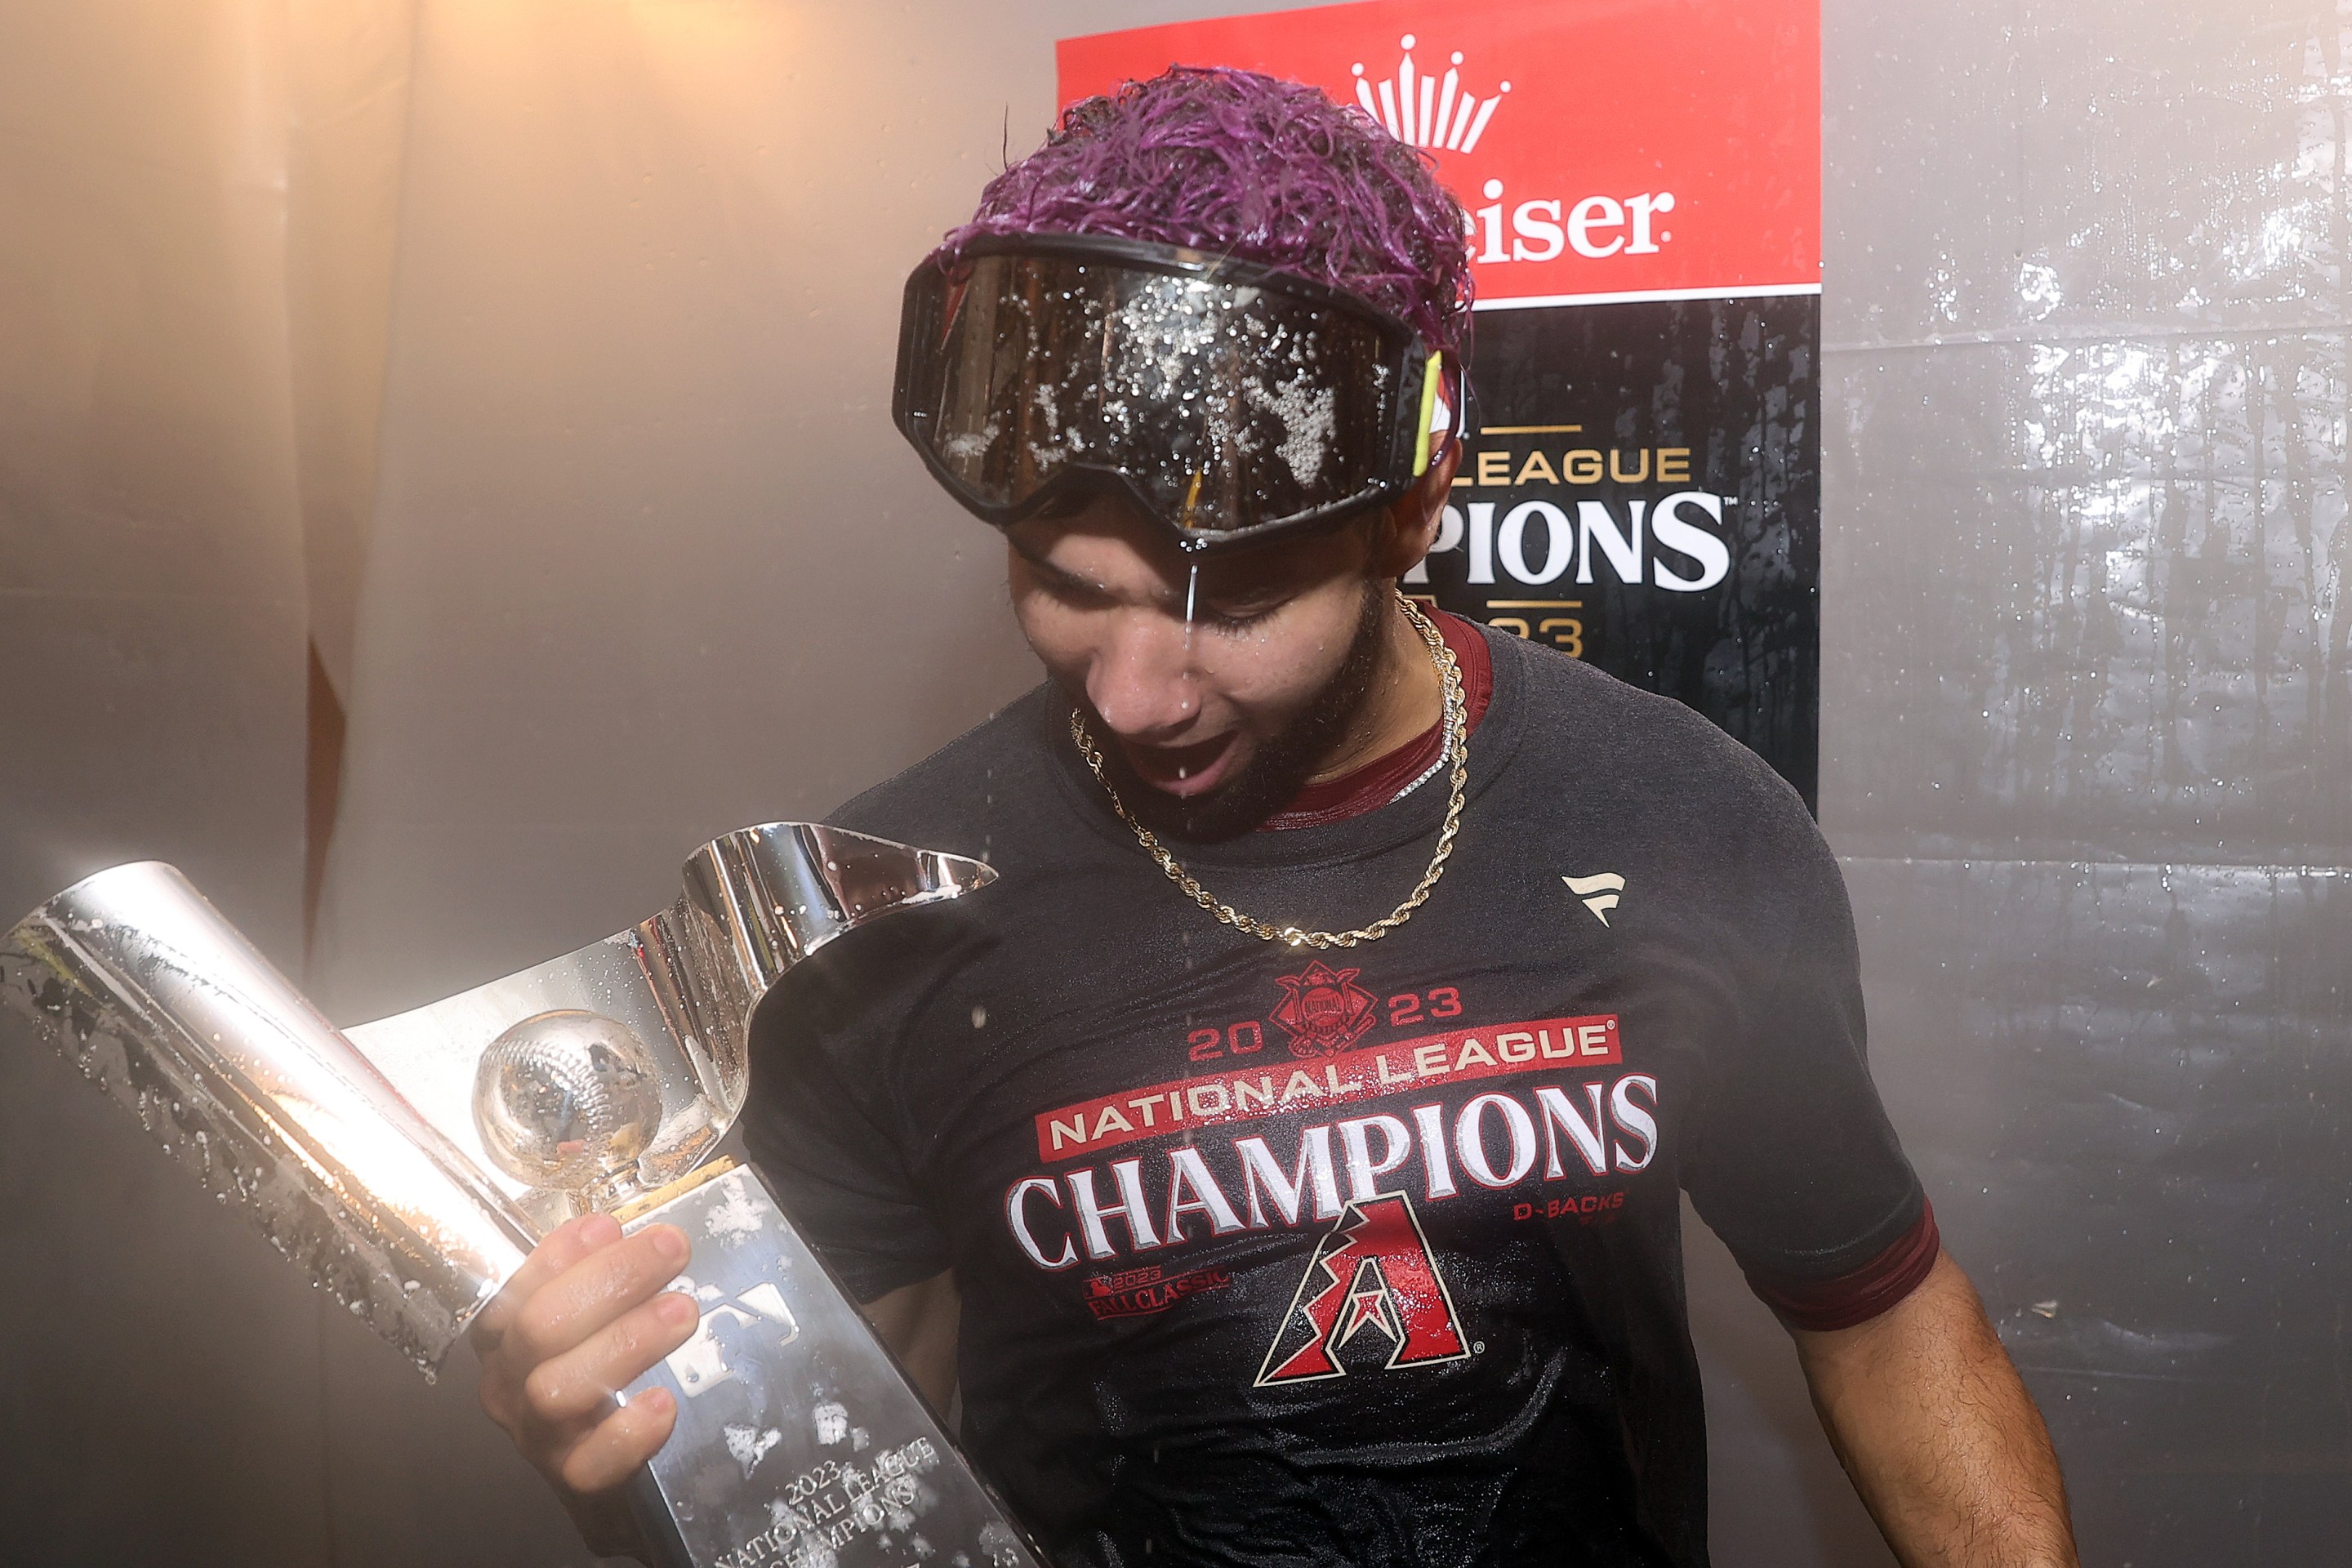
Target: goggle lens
1222,407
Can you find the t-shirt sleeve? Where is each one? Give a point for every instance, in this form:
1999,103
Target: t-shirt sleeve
1791,1160
831,1138
1845,1300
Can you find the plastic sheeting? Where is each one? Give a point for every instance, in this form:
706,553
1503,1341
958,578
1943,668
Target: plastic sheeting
648,561
152,630
2088,716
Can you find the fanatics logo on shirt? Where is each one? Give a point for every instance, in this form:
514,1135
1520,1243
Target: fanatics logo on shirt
1599,892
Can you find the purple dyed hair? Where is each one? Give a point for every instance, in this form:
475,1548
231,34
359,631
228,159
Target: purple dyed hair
1252,166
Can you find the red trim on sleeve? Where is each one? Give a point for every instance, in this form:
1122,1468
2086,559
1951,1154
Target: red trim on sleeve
1376,783
1822,1305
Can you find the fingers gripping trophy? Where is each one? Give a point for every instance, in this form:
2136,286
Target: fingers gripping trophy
431,1169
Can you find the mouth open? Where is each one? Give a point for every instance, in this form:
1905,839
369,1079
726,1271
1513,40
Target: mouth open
1182,771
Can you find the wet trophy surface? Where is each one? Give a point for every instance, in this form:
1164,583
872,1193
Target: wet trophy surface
409,1166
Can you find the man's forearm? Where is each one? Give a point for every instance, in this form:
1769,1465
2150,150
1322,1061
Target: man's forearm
1943,1441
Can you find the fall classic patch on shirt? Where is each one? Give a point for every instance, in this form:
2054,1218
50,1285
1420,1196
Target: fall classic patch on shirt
1273,1255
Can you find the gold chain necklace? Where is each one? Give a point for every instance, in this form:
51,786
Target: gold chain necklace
1457,752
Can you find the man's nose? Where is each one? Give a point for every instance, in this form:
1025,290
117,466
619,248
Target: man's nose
1142,680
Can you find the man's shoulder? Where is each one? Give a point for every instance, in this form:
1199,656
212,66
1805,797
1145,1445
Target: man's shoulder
1646,762
951,799
1573,704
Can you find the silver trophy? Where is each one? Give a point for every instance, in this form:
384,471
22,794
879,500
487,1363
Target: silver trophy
410,1164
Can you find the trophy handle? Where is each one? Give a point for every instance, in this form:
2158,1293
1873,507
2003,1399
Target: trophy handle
684,982
167,1008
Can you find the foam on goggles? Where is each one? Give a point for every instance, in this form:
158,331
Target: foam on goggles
1225,400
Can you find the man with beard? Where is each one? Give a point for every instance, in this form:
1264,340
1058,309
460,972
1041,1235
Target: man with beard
1284,1159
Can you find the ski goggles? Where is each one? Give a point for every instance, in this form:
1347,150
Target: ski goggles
1225,400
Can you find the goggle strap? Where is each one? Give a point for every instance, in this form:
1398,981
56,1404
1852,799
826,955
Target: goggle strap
1432,382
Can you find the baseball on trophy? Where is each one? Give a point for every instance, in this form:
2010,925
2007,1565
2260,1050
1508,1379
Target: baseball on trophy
566,1098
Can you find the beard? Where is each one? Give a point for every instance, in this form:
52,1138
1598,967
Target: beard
1272,778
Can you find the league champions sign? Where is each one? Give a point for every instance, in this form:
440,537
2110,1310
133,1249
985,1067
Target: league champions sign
1641,486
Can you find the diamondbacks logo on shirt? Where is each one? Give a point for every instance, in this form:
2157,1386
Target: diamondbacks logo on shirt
1372,1269
1323,1009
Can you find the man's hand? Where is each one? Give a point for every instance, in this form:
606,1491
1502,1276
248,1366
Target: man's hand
1944,1444
582,1318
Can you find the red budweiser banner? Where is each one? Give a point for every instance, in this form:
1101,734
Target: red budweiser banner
1642,180
1646,150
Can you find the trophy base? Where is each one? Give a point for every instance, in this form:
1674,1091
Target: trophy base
799,1443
